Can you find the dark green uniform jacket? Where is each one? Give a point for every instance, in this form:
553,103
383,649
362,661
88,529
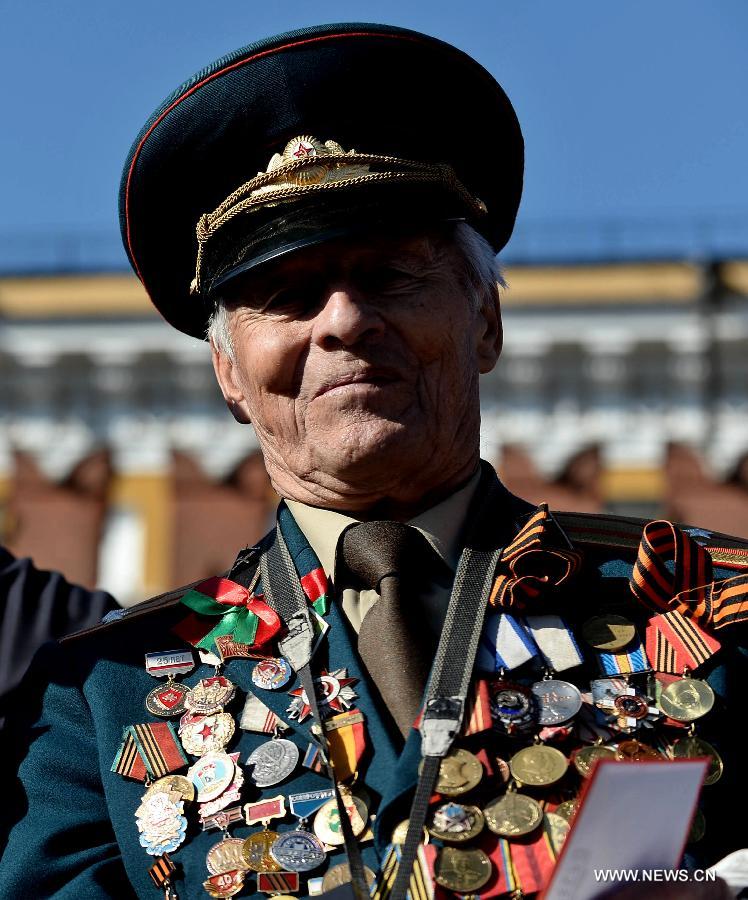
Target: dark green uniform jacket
73,829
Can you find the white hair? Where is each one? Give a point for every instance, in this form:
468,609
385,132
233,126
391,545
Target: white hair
483,281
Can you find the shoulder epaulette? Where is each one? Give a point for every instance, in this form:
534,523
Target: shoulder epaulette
162,601
626,531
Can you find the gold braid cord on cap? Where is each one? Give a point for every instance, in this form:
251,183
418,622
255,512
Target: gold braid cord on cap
308,166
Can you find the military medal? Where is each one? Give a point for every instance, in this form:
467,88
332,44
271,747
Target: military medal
232,794
272,762
400,832
513,815
341,874
222,819
298,850
538,765
567,810
692,747
635,751
558,701
226,855
210,695
225,884
256,851
698,827
161,824
513,707
212,774
327,824
462,871
168,700
272,673
336,695
260,719
608,632
686,699
208,733
454,822
459,772
177,784
273,882
557,828
585,758
161,873
265,810
149,750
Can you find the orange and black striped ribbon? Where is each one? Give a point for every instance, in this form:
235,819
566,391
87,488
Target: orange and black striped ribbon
162,870
672,572
151,749
535,561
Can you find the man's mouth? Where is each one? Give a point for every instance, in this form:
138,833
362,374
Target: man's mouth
371,377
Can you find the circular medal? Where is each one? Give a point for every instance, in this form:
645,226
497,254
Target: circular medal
631,705
585,758
538,766
272,673
226,856
210,695
256,852
167,699
608,632
513,707
455,823
183,786
635,751
462,871
698,827
340,875
211,775
211,733
686,699
691,747
459,772
327,821
298,851
558,701
513,815
557,828
567,809
271,762
401,830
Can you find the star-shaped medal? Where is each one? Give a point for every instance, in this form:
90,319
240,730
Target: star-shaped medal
334,694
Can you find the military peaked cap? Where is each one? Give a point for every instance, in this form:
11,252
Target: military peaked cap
309,136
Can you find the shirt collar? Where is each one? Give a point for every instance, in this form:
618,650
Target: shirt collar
442,526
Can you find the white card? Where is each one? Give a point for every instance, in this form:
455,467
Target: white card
632,816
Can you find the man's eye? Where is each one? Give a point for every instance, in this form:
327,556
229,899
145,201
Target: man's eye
389,278
290,299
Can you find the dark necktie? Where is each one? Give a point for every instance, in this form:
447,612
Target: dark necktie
394,560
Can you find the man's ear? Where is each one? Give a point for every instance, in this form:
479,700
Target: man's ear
227,376
490,331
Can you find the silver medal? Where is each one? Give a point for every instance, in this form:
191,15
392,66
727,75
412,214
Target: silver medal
299,851
558,701
271,762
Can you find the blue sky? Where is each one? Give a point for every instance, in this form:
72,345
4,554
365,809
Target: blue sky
633,112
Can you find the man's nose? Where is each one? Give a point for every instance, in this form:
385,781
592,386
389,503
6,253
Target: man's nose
346,318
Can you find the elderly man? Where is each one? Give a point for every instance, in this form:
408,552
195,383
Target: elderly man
412,646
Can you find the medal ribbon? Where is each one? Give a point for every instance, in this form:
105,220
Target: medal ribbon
672,572
535,561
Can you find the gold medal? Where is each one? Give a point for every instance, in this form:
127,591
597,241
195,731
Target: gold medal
341,874
635,751
513,815
459,772
462,871
691,747
686,699
456,823
327,825
256,852
608,632
538,766
178,783
557,828
585,758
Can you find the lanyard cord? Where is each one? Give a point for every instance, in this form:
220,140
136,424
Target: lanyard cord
284,594
450,677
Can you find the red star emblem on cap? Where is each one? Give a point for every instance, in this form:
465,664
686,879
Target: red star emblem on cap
304,150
